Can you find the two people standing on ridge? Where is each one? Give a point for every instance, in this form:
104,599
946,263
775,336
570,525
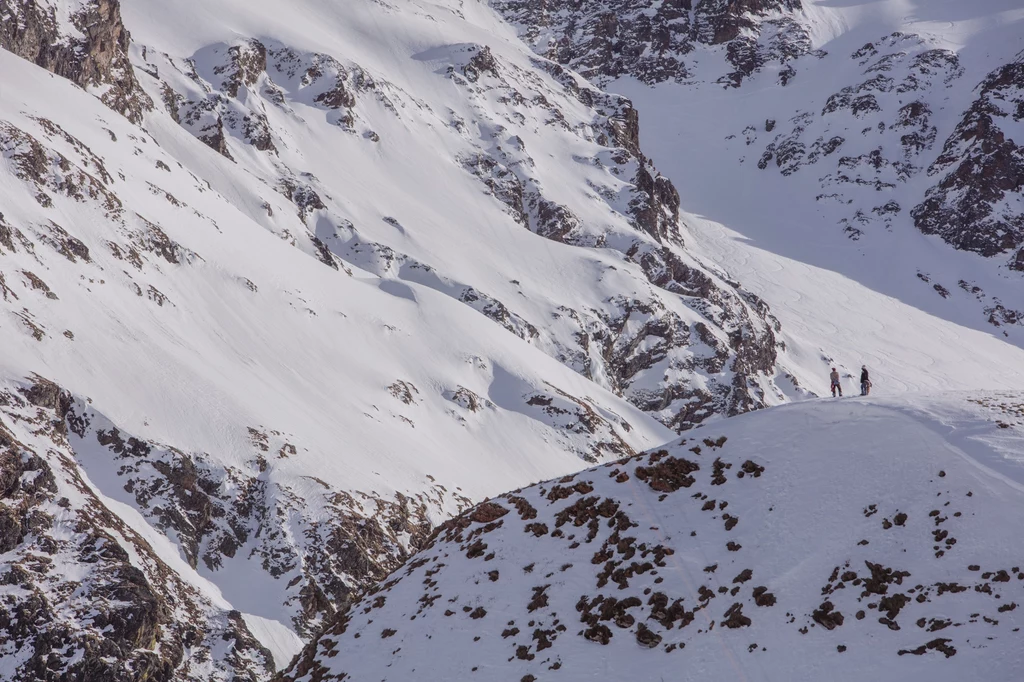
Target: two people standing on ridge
865,382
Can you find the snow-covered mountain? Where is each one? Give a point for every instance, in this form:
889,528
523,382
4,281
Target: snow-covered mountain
841,540
866,135
322,286
285,286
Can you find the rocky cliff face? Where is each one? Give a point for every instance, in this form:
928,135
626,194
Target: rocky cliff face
607,40
83,595
221,514
981,167
84,41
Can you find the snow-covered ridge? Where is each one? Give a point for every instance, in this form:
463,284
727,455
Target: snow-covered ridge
856,539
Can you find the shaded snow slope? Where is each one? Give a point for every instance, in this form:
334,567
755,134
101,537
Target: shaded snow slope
879,140
899,136
844,539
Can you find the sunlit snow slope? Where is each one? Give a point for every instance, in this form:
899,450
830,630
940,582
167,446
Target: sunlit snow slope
337,272
856,539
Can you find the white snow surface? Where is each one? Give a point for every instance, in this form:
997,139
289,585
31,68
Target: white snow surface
822,216
231,328
929,490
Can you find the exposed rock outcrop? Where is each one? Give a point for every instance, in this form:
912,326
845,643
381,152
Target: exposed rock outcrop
636,338
219,514
92,52
975,206
606,40
82,594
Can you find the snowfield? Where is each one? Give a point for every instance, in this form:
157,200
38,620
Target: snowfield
831,319
843,539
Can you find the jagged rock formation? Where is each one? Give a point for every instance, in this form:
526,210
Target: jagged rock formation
84,41
680,563
872,176
607,40
891,105
336,544
972,207
83,595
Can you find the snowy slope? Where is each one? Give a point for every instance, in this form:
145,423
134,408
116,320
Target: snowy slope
864,159
875,140
418,142
257,380
844,540
314,305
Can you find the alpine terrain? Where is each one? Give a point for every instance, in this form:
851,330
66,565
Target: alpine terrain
876,139
795,543
292,294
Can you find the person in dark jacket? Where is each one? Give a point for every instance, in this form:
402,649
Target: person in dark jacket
865,380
